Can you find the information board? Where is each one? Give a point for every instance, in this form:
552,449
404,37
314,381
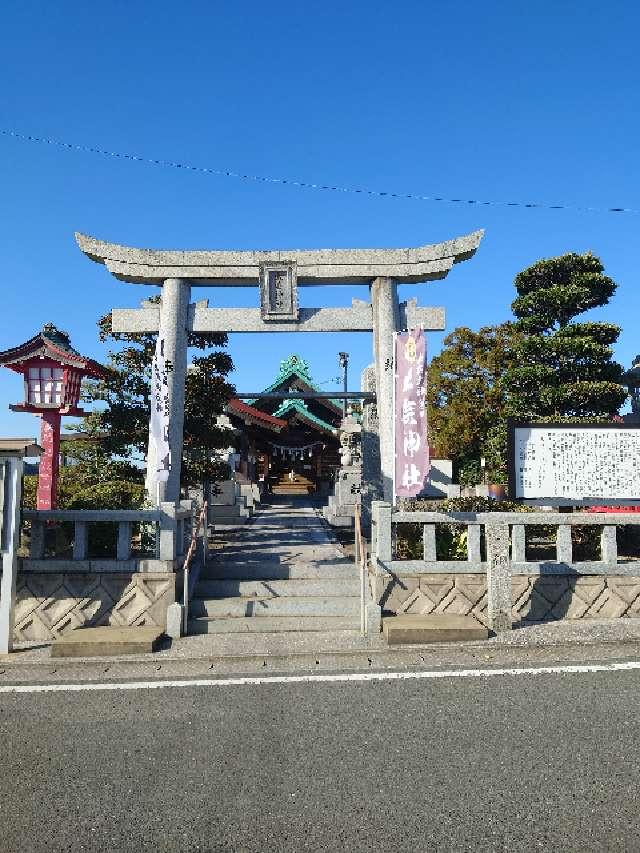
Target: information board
574,462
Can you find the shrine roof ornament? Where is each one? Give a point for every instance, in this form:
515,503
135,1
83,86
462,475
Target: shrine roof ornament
294,364
294,367
312,266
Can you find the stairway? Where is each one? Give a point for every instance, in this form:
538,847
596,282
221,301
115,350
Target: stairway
274,578
300,485
269,597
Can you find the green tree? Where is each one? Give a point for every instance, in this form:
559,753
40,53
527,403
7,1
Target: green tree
561,370
93,479
122,421
466,396
564,368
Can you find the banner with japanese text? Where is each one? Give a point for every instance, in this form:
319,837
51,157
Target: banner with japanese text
160,413
411,443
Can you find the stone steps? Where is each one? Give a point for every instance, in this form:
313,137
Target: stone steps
285,575
266,608
292,489
222,513
278,588
273,570
275,624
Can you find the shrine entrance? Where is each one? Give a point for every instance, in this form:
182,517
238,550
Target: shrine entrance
293,443
278,274
285,572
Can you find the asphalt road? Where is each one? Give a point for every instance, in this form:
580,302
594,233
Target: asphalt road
484,764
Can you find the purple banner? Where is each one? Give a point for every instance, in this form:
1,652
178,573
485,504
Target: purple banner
411,443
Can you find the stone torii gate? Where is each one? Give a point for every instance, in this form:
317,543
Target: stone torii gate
279,274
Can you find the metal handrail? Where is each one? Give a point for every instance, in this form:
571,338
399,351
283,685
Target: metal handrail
202,520
361,561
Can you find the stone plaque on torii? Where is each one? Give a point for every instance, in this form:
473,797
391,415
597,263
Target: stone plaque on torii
279,274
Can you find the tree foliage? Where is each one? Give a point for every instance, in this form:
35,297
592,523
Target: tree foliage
93,480
123,419
466,396
564,368
542,366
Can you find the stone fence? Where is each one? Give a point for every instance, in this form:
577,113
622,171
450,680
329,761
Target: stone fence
57,592
496,583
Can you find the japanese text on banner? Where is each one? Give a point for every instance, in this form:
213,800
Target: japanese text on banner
411,443
160,413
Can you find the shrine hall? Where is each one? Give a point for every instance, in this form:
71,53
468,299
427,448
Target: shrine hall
288,446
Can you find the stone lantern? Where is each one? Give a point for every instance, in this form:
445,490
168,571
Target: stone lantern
53,372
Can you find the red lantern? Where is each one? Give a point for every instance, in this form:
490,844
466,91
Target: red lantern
53,372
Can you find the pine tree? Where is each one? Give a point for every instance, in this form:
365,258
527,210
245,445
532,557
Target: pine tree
564,369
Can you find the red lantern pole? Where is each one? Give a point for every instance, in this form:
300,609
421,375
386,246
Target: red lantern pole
52,372
50,460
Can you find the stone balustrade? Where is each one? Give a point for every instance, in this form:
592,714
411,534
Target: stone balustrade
496,582
58,592
171,527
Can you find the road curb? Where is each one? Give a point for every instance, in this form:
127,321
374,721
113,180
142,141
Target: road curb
412,657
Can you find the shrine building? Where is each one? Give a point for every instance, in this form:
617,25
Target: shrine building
288,446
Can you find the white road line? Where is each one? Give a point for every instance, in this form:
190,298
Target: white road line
568,669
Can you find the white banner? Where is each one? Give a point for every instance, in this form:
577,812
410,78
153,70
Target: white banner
159,426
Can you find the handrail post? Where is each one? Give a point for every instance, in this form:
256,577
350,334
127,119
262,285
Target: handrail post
382,514
473,543
361,562
498,577
609,545
80,541
123,548
11,497
186,567
564,544
429,552
36,545
168,549
518,543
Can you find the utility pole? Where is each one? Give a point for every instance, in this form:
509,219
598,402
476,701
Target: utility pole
343,359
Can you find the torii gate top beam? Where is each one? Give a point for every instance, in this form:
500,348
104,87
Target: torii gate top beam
313,267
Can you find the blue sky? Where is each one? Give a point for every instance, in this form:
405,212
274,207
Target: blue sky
504,101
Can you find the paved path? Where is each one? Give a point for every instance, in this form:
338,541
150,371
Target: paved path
513,763
288,531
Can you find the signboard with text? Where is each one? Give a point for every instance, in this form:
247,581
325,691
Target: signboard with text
565,463
410,416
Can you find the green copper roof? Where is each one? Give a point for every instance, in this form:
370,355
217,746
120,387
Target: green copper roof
294,366
300,407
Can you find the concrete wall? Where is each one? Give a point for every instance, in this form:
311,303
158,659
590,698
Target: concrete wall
440,480
535,597
50,603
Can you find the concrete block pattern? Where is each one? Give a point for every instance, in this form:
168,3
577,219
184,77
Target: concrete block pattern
50,604
534,598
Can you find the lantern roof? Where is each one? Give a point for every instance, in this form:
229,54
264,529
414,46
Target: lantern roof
53,343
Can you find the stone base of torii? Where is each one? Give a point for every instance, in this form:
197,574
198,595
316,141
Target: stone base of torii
278,274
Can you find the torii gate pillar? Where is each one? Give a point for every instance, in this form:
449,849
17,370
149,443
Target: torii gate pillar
386,321
174,310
